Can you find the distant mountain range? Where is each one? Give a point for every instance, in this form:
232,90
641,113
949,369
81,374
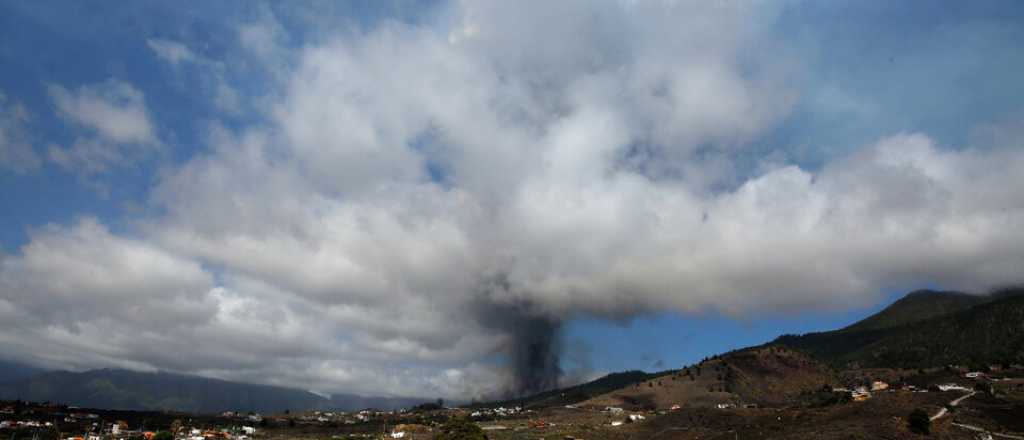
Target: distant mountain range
130,390
14,371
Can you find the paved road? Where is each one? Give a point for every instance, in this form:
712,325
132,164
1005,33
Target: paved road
956,402
953,402
994,434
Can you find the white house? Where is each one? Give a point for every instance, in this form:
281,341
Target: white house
952,386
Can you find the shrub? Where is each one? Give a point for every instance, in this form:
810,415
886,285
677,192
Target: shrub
919,422
460,429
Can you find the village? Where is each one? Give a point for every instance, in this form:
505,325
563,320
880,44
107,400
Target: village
48,421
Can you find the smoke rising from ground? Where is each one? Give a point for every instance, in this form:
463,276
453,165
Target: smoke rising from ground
533,346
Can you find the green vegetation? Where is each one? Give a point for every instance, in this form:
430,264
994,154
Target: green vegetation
918,306
163,435
460,429
974,332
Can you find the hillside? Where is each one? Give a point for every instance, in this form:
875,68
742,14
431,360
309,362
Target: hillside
765,376
122,389
925,328
990,331
700,385
15,371
774,375
577,393
918,306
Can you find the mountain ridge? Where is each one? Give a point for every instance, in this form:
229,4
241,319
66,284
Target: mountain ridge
970,332
131,390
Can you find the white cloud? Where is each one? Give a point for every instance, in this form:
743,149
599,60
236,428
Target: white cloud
115,110
417,201
115,123
171,51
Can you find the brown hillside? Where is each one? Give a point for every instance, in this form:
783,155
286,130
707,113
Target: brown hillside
775,375
700,385
765,376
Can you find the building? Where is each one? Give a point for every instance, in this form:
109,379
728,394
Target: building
952,387
860,394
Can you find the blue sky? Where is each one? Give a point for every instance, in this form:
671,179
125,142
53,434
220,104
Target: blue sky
662,342
369,162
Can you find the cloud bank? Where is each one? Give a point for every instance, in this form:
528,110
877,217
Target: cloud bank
420,206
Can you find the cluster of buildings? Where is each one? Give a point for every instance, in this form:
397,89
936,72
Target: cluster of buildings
18,424
249,417
500,411
315,417
864,392
237,433
632,418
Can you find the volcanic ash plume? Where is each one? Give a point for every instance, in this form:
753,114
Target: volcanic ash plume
534,355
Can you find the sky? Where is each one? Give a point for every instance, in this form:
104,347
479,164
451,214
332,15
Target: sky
467,199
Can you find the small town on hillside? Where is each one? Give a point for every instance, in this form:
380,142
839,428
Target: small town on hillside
949,388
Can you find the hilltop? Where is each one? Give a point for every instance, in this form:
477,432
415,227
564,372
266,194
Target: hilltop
918,306
926,329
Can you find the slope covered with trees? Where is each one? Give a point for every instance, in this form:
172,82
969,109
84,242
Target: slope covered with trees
918,306
981,331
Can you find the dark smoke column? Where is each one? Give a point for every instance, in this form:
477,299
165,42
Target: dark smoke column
534,355
534,345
